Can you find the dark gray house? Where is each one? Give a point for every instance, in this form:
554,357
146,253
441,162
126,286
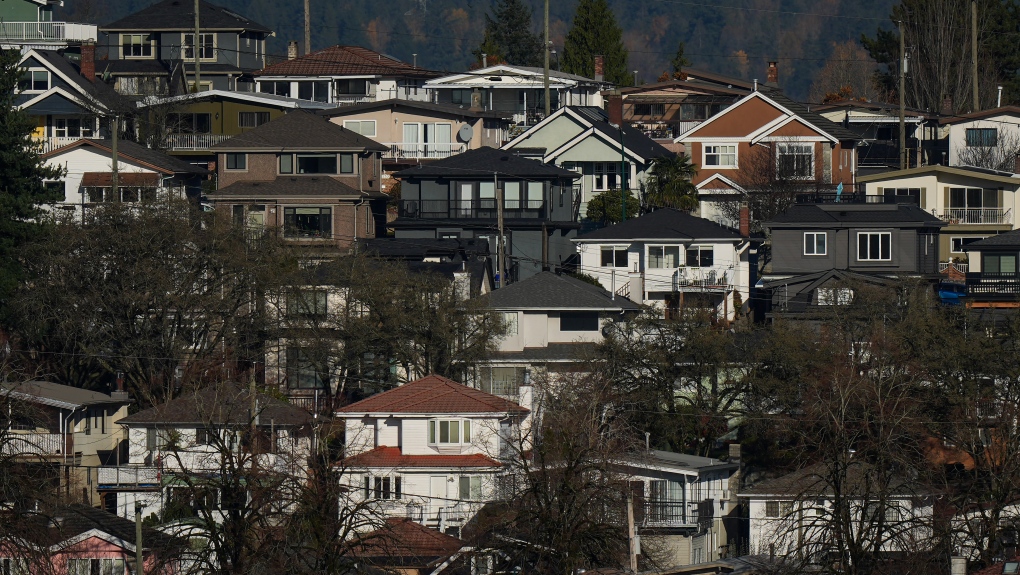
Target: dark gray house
820,250
992,277
456,198
154,50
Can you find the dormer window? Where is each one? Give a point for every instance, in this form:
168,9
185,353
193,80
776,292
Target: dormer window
34,81
449,432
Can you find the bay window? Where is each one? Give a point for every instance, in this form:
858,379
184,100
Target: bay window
450,432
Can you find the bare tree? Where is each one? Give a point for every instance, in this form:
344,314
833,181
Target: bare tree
849,67
1002,156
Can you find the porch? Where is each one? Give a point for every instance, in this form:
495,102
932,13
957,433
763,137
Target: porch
38,444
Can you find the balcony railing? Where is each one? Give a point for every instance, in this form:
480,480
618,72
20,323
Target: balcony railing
47,32
669,514
848,197
128,477
701,279
38,444
471,209
50,144
977,216
347,100
195,142
943,266
992,284
416,151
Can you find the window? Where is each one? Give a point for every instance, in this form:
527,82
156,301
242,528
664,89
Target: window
303,372
34,81
512,195
286,164
156,439
579,321
351,87
443,431
796,161
470,488
383,487
700,256
720,156
72,128
982,137
136,45
277,88
363,127
15,567
190,123
653,110
206,46
606,176
956,244
204,436
307,222
316,163
252,119
510,321
462,97
874,246
972,198
505,381
237,161
317,91
771,509
346,163
814,243
663,257
310,303
614,257
1003,264
834,296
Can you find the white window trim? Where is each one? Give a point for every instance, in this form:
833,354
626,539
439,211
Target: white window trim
951,238
736,155
648,255
780,146
374,127
880,259
824,252
49,80
699,247
460,442
615,248
215,46
152,47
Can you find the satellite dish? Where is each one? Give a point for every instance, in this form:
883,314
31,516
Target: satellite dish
465,133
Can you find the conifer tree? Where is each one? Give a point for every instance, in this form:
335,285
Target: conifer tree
595,32
509,37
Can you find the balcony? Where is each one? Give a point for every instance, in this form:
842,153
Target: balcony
193,142
993,216
41,444
50,144
943,266
128,477
701,279
848,197
994,285
480,209
47,32
351,99
416,151
668,514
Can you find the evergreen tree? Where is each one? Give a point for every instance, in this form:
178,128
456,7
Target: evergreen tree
595,32
21,178
509,36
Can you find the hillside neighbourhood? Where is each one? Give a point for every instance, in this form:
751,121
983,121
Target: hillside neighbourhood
332,312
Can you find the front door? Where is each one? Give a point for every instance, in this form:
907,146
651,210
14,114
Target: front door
437,493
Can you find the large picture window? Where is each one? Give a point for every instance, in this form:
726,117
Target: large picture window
316,163
874,246
663,257
796,161
579,321
317,90
720,156
982,137
700,256
307,222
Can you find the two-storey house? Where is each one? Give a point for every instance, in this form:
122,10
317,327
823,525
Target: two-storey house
974,202
315,183
762,139
154,51
985,139
664,110
581,139
342,75
992,277
819,250
429,450
877,124
29,24
457,198
671,259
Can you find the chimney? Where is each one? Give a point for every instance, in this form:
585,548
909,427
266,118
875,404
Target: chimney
291,50
616,110
88,60
600,68
745,220
773,74
485,60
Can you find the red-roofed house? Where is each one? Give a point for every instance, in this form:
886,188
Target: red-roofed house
410,548
429,450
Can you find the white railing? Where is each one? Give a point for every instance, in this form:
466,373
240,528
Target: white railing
413,150
33,444
943,266
50,144
194,141
47,31
683,126
977,215
128,476
342,100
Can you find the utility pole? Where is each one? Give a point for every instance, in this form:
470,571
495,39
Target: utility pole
903,106
139,560
623,176
499,228
631,535
115,176
308,27
545,75
194,50
973,53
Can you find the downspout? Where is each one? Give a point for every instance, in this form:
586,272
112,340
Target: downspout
64,447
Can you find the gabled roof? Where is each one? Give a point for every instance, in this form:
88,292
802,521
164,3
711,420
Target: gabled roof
593,118
223,404
414,105
522,76
679,462
664,224
402,538
719,79
100,93
433,394
633,93
857,215
1001,111
345,61
57,395
180,15
937,170
1009,239
68,524
393,458
813,481
251,97
299,130
290,186
549,291
484,162
128,151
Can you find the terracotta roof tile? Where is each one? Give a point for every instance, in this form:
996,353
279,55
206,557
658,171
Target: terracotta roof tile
345,61
403,538
392,457
433,394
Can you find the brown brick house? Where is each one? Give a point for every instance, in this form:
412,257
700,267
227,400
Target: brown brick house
315,182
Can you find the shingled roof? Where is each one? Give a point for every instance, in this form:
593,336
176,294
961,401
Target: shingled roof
180,15
220,404
402,538
549,291
1004,240
860,215
345,61
484,162
56,395
57,525
433,394
299,130
393,458
131,151
664,224
290,186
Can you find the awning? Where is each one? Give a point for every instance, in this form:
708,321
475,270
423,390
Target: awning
105,179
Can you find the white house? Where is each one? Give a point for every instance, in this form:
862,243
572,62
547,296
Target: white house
670,259
429,450
988,139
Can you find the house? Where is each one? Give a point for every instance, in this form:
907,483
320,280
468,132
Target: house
412,549
992,278
820,250
553,324
199,433
153,51
670,259
664,110
762,138
144,175
519,90
29,24
343,75
456,198
466,263
877,124
428,450
986,139
975,202
312,181
65,101
418,131
581,139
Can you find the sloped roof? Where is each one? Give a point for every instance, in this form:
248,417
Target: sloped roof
938,170
812,481
817,120
857,215
56,395
664,224
547,290
394,103
407,539
180,15
484,162
263,98
1000,111
345,61
633,139
299,129
1009,239
283,186
133,151
65,522
220,404
433,394
392,457
102,92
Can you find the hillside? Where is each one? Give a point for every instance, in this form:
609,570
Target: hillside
736,38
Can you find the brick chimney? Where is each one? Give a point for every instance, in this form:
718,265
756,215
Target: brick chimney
292,50
745,220
773,74
600,68
615,109
88,60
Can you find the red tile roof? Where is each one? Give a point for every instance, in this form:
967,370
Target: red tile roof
995,568
433,394
392,457
345,61
405,539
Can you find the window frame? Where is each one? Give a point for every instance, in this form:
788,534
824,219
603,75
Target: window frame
298,306
879,235
185,46
814,244
324,157
235,156
512,322
616,257
256,117
962,241
29,75
998,257
701,250
361,123
302,367
434,430
712,150
470,488
662,257
144,41
291,212
980,137
783,149
579,321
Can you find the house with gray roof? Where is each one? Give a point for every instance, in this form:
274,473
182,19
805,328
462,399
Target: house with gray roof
992,278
